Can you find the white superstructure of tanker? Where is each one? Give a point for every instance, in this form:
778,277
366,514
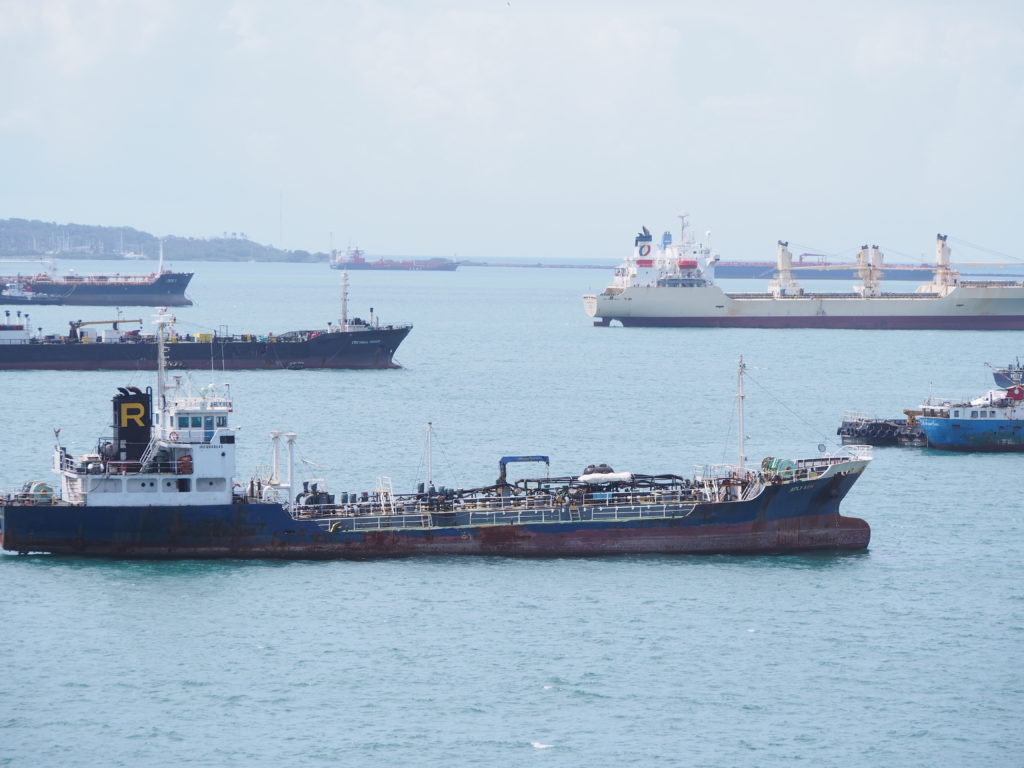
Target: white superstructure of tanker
674,285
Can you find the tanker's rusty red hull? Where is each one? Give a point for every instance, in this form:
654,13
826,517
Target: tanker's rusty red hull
778,521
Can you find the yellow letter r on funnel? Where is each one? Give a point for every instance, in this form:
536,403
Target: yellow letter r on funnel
132,412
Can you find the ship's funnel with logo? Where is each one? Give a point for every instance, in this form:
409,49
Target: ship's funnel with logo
133,422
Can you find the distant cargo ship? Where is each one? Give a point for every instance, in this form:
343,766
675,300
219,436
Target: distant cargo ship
674,285
351,343
159,289
353,258
814,267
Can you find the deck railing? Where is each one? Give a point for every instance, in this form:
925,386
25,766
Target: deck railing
492,514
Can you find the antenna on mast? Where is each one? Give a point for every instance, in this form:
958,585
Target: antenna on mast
739,412
162,320
430,457
343,320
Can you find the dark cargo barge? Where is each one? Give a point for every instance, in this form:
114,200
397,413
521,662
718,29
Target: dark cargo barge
161,486
163,289
356,344
859,429
166,289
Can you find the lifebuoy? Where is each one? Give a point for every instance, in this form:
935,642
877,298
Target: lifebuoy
173,437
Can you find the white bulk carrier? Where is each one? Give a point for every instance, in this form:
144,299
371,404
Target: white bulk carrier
674,285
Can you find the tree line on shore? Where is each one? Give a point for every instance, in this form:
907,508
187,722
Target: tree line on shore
23,238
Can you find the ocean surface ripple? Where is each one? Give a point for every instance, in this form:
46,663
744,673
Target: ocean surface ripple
909,654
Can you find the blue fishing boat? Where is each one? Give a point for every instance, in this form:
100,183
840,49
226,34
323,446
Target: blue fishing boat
992,422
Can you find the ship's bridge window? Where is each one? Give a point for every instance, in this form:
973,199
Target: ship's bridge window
222,421
974,414
183,422
197,422
956,414
983,414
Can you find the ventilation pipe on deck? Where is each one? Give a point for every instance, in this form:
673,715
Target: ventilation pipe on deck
290,439
275,442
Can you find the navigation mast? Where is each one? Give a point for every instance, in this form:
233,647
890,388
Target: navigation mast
343,320
739,412
430,456
162,320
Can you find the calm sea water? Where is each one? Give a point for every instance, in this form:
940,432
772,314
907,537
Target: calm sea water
910,654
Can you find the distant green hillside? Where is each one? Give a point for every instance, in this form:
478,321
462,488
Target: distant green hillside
33,239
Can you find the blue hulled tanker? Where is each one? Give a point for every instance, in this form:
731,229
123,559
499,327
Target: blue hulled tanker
162,486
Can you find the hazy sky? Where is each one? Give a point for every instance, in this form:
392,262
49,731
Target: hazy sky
514,128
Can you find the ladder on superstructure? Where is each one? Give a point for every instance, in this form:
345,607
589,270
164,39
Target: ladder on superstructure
386,494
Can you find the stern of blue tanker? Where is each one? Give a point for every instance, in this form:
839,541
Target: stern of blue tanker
202,531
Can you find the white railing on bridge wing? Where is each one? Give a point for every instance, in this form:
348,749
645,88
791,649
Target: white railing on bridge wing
935,401
719,471
860,451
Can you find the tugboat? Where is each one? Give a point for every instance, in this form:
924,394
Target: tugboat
992,422
16,293
162,486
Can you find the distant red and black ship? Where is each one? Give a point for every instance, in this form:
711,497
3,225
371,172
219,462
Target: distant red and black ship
353,258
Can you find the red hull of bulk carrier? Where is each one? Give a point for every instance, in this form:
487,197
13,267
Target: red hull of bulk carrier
894,322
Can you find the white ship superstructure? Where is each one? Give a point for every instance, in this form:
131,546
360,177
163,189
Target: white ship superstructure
177,451
673,285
